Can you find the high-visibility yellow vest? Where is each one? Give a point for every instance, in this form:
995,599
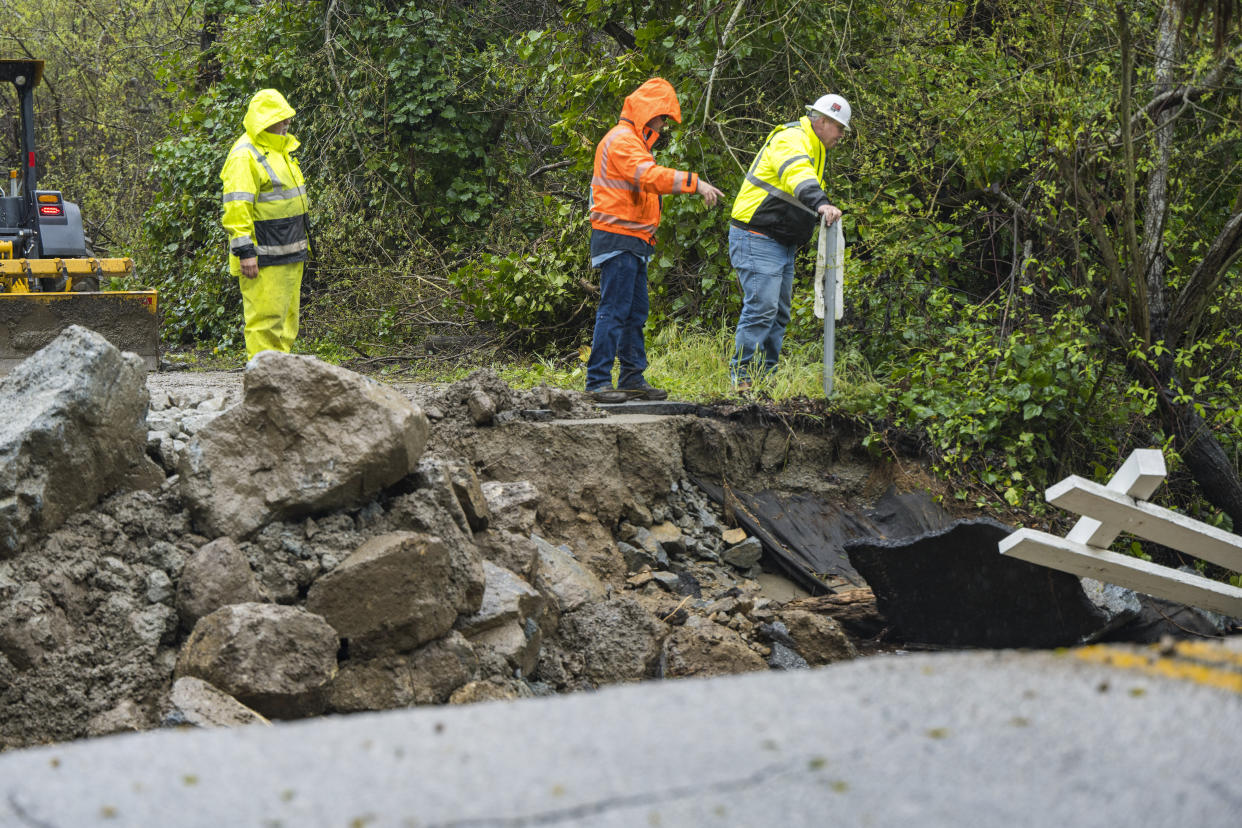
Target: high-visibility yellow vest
784,186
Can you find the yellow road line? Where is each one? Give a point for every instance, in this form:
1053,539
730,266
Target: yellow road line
1186,663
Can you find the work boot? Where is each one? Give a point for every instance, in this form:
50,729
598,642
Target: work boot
608,396
645,391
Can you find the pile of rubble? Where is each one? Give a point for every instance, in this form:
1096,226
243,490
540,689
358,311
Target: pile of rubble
313,548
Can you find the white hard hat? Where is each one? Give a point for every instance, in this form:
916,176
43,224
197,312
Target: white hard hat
834,107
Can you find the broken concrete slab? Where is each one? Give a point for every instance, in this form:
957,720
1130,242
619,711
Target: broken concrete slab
1022,738
72,429
307,437
952,587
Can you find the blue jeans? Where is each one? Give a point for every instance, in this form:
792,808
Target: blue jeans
765,268
619,324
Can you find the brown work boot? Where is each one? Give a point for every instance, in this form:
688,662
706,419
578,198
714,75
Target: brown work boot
608,396
646,391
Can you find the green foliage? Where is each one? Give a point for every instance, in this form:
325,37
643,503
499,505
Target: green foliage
1002,407
185,247
448,149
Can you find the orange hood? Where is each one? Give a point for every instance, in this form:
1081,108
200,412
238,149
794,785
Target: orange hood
655,97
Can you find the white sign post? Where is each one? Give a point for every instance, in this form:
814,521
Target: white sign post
1121,507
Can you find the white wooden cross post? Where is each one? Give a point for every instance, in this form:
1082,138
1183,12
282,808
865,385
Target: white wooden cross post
1121,507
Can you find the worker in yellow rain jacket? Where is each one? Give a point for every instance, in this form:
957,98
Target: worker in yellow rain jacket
265,210
781,201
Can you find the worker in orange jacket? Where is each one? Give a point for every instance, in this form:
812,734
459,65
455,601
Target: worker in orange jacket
625,212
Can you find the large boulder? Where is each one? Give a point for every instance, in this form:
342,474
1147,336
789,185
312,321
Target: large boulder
392,594
72,429
307,437
216,576
512,506
506,598
817,638
274,659
619,640
562,577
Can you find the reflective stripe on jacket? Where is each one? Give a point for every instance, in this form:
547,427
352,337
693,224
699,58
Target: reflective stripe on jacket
264,198
784,186
627,182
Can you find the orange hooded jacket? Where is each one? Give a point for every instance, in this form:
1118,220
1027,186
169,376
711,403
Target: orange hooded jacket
627,184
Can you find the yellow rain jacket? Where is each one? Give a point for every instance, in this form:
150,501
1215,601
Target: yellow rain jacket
784,187
265,208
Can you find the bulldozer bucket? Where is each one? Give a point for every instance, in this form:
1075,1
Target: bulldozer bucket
126,318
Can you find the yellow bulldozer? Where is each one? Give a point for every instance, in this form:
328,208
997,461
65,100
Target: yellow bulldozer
49,278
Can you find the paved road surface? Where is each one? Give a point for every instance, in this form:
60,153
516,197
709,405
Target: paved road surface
1094,737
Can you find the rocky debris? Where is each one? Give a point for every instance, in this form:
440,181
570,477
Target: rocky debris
79,633
274,659
530,562
1147,619
484,399
127,717
307,437
172,421
512,647
703,648
435,509
491,690
744,554
952,587
214,577
854,609
72,429
193,702
784,654
515,552
560,575
506,598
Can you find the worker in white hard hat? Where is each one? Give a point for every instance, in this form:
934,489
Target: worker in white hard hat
781,201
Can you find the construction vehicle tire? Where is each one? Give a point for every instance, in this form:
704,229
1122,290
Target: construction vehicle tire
52,284
86,283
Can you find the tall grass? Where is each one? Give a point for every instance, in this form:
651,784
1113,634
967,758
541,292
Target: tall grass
693,365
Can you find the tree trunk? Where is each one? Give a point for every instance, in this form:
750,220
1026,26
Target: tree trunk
1204,457
209,70
1202,453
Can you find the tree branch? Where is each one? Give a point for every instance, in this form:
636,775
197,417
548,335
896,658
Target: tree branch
621,35
1203,282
